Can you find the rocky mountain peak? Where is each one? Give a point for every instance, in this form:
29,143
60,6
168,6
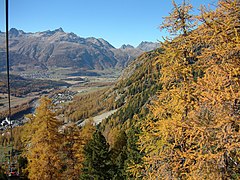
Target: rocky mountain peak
148,46
59,30
50,33
13,32
105,43
128,46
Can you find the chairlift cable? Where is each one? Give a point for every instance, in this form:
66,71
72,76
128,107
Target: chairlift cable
7,63
8,81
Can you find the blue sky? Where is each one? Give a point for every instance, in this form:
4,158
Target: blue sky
117,21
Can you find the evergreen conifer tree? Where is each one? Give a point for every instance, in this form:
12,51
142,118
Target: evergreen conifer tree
97,164
134,156
119,155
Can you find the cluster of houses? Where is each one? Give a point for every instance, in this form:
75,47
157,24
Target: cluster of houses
62,97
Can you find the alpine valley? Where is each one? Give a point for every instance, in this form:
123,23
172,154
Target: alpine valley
172,113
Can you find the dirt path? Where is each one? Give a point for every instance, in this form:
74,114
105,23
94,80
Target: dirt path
97,119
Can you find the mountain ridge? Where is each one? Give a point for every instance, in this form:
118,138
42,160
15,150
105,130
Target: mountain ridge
57,48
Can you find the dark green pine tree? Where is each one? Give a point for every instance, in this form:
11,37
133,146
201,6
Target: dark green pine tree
119,156
97,164
119,164
134,156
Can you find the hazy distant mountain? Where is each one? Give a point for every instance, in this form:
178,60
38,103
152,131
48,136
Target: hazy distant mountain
147,46
128,46
57,48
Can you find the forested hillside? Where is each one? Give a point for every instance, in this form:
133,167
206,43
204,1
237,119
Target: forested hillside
135,91
192,129
178,111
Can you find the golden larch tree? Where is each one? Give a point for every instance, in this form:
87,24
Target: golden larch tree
195,130
42,142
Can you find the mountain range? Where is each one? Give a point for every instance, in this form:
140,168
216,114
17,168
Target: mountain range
54,49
